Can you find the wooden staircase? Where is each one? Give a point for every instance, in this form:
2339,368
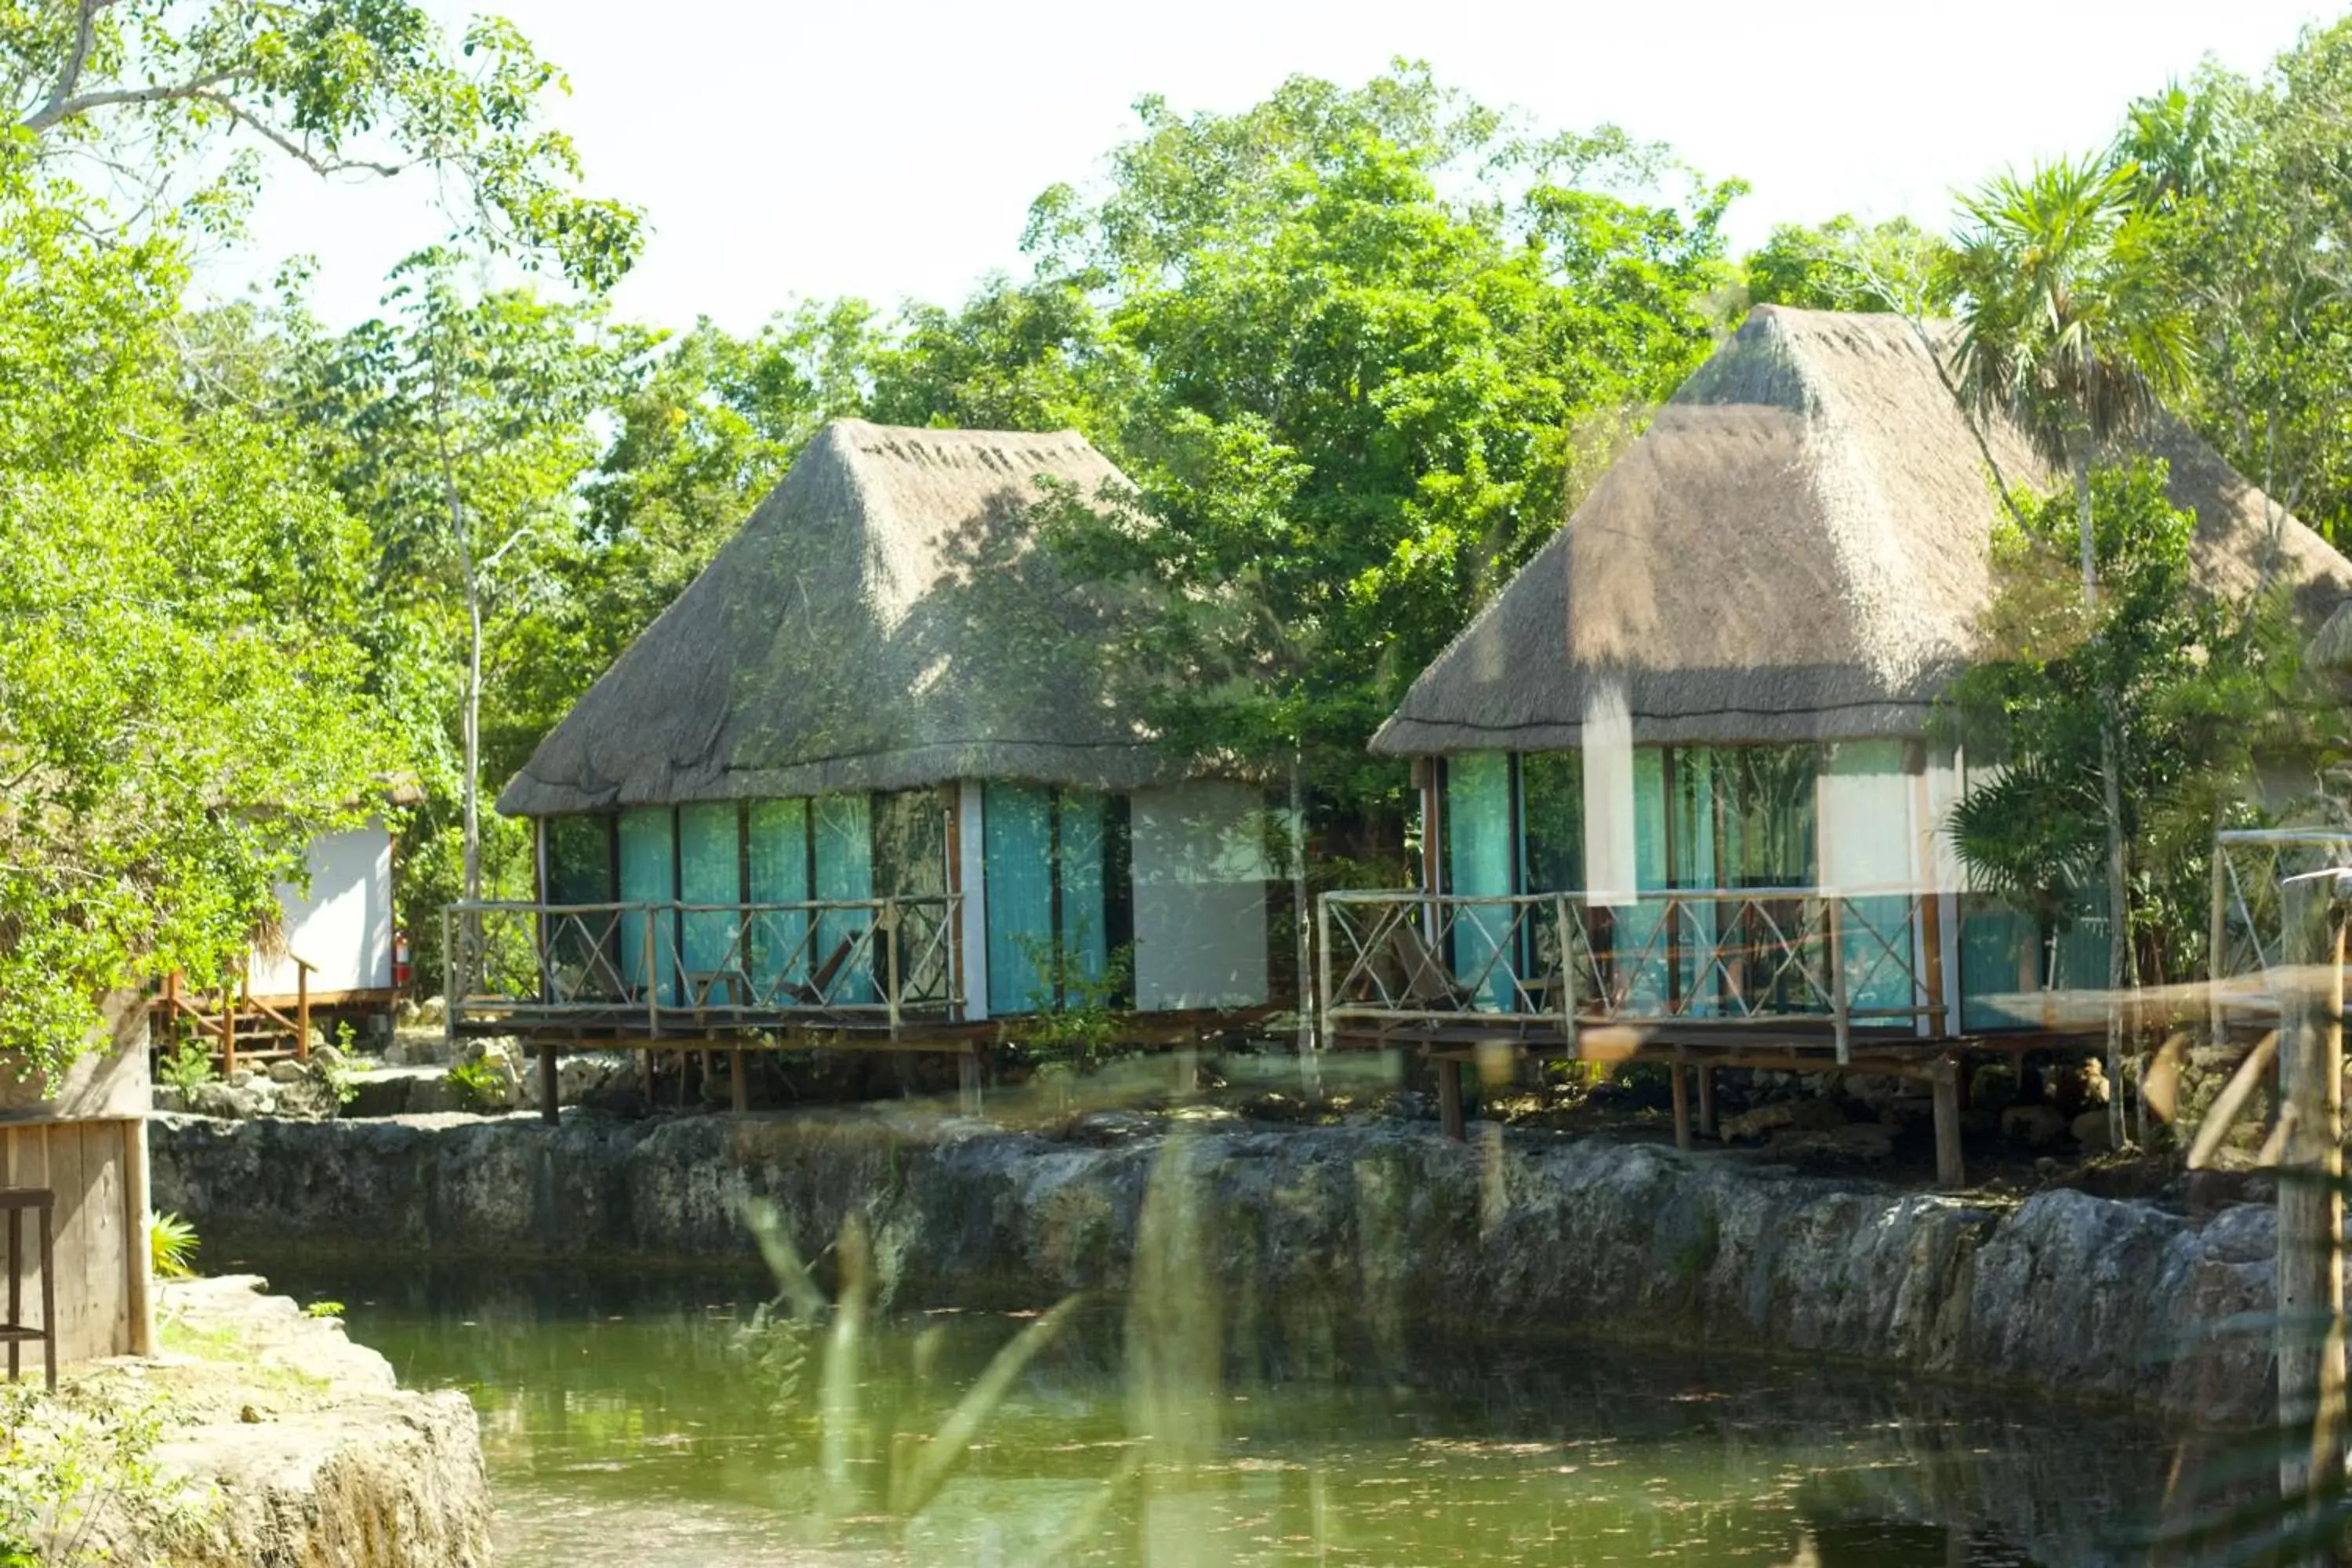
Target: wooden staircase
237,1027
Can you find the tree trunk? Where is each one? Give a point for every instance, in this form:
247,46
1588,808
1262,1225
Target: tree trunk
2110,801
470,723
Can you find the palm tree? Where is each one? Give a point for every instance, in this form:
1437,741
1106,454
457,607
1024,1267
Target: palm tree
2067,324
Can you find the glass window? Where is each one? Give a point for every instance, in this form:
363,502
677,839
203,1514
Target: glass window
1478,865
841,831
1018,859
581,953
1057,893
778,851
649,876
1551,804
579,859
710,872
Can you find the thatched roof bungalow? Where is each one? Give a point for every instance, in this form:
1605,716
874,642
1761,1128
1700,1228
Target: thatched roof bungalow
880,688
1719,673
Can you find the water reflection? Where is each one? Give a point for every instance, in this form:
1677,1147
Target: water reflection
628,1419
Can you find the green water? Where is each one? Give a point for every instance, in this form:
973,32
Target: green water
629,1422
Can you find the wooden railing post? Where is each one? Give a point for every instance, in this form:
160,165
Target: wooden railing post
1566,912
1323,969
653,995
1841,1012
227,1031
889,915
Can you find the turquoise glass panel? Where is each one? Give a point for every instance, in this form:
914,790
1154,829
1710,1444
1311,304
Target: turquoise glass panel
1640,945
842,836
1017,827
649,875
1478,857
778,850
709,872
1086,930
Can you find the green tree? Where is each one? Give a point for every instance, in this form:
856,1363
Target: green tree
2068,322
1361,349
1841,265
2245,179
2192,689
339,86
181,703
461,425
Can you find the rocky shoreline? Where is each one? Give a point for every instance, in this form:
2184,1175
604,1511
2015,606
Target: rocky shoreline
1312,1231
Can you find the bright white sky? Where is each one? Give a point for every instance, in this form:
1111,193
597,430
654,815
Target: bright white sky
891,151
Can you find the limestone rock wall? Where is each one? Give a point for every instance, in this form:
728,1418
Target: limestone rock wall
316,1457
1313,1230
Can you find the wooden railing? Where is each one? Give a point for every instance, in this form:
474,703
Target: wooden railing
668,963
223,1021
1565,961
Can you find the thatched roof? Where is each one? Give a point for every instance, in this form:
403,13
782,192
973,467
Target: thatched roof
882,622
1797,549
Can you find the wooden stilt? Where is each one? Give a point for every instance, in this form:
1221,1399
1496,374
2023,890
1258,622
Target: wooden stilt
547,1083
739,1081
647,1060
968,1083
1449,1097
1188,1071
1707,1102
1945,1081
1681,1077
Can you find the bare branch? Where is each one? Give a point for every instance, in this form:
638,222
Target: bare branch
60,110
77,61
295,149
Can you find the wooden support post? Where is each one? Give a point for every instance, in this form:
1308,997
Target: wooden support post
547,1109
227,1031
1188,1071
1841,1009
1945,1082
139,1280
302,1010
968,1083
2310,1332
1705,1101
1449,1097
739,1079
646,1061
1681,1077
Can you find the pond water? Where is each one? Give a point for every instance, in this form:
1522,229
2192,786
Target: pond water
630,1421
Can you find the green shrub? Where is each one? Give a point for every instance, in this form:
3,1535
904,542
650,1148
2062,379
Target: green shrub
76,1458
172,1247
186,1067
478,1086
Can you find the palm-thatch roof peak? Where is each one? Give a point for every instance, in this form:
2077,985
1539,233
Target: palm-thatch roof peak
1797,549
882,621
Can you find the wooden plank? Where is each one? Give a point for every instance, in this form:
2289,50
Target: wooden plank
105,1263
139,1295
63,1144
